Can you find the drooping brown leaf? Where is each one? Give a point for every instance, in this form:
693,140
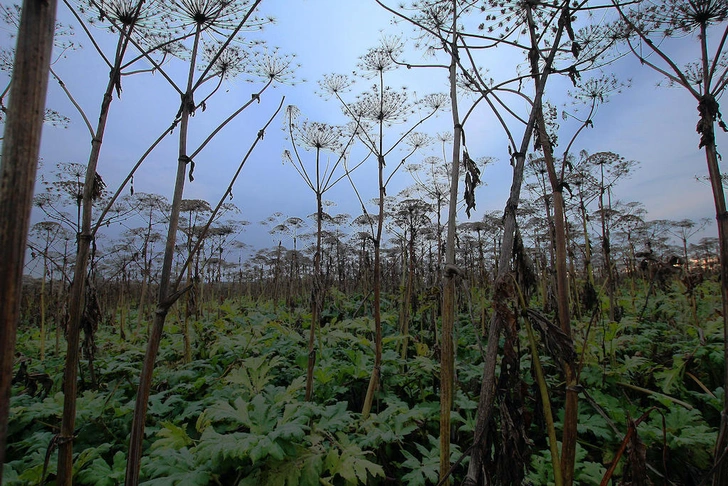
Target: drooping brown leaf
635,468
524,267
472,180
565,20
709,111
574,74
692,280
98,187
589,297
558,345
192,169
90,320
510,455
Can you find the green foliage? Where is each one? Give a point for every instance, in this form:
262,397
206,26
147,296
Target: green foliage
101,473
170,467
235,414
586,472
348,461
424,469
689,438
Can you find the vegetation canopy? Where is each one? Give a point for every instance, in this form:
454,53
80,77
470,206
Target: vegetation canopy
564,338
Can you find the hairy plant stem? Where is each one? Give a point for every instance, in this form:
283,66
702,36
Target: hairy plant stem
447,356
476,471
78,285
377,294
163,303
546,404
606,246
317,287
721,474
716,184
568,441
21,145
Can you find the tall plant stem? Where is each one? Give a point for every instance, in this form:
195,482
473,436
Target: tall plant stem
316,288
716,183
487,388
587,244
377,299
377,369
546,404
21,145
78,286
721,475
568,441
447,359
155,335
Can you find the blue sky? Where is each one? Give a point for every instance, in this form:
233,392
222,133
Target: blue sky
655,126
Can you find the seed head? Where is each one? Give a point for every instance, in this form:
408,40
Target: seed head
335,84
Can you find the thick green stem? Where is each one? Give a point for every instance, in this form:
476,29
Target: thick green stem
316,289
546,404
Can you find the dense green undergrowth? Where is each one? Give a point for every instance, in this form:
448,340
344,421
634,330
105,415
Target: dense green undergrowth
235,413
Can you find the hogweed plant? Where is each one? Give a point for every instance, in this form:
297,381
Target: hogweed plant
320,178
548,43
123,16
222,22
703,22
373,113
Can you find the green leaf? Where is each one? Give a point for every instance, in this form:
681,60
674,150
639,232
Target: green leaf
689,438
334,418
672,377
219,447
351,463
254,373
235,415
589,473
596,425
10,476
99,473
171,468
424,470
171,437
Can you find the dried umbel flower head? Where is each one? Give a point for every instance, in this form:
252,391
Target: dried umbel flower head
382,58
335,84
202,13
319,136
384,106
147,21
123,12
435,101
672,16
271,64
418,140
597,89
229,63
376,61
212,14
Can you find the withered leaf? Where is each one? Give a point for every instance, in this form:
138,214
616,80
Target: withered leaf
472,180
558,345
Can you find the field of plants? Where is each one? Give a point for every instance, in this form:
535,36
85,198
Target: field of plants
231,409
568,338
